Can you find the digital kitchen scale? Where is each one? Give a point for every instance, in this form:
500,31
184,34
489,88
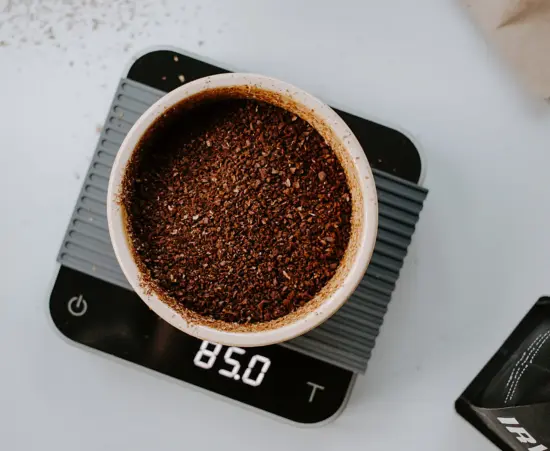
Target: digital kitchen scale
306,380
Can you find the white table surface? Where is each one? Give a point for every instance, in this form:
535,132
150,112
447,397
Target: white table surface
479,259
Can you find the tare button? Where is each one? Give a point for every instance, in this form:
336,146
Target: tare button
314,388
77,306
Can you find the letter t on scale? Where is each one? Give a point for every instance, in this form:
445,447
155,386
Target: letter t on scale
314,388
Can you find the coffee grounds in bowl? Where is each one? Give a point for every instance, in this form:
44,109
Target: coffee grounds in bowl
237,210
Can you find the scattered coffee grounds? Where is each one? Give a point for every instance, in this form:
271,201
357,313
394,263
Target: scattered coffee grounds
239,211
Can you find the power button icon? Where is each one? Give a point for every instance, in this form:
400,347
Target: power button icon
77,305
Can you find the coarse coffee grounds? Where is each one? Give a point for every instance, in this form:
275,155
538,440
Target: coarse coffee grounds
238,210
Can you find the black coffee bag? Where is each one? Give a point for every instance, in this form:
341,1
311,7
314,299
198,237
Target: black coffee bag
509,400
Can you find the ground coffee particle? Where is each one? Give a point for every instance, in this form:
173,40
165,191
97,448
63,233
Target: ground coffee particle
240,211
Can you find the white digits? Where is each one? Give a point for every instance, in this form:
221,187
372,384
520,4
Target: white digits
204,351
257,358
212,354
234,374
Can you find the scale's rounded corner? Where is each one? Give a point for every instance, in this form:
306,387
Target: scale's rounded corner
147,51
53,320
334,415
141,54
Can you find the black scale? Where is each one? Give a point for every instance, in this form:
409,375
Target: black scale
307,380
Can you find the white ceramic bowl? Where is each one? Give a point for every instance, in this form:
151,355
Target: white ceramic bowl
364,211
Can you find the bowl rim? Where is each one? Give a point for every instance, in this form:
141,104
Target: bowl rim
369,219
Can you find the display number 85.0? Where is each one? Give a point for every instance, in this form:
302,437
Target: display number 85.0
206,357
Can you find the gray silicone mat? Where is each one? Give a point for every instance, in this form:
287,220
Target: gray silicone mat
347,339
